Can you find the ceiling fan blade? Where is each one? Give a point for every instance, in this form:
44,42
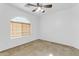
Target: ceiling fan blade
34,10
48,6
28,4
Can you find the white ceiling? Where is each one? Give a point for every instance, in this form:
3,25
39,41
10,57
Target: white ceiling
56,7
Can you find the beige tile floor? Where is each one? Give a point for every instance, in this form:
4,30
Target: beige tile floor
41,48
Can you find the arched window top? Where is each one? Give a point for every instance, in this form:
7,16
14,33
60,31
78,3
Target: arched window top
20,19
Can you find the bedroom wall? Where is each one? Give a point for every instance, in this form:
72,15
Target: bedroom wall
7,12
61,27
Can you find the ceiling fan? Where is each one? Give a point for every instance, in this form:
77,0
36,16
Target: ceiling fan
38,7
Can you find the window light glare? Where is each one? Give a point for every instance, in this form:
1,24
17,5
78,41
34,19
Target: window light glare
20,19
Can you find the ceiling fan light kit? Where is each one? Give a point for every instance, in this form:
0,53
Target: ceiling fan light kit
39,7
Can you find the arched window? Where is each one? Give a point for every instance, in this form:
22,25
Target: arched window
20,27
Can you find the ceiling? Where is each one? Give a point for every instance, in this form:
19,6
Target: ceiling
56,7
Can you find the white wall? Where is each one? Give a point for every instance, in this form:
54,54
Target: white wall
61,27
7,12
